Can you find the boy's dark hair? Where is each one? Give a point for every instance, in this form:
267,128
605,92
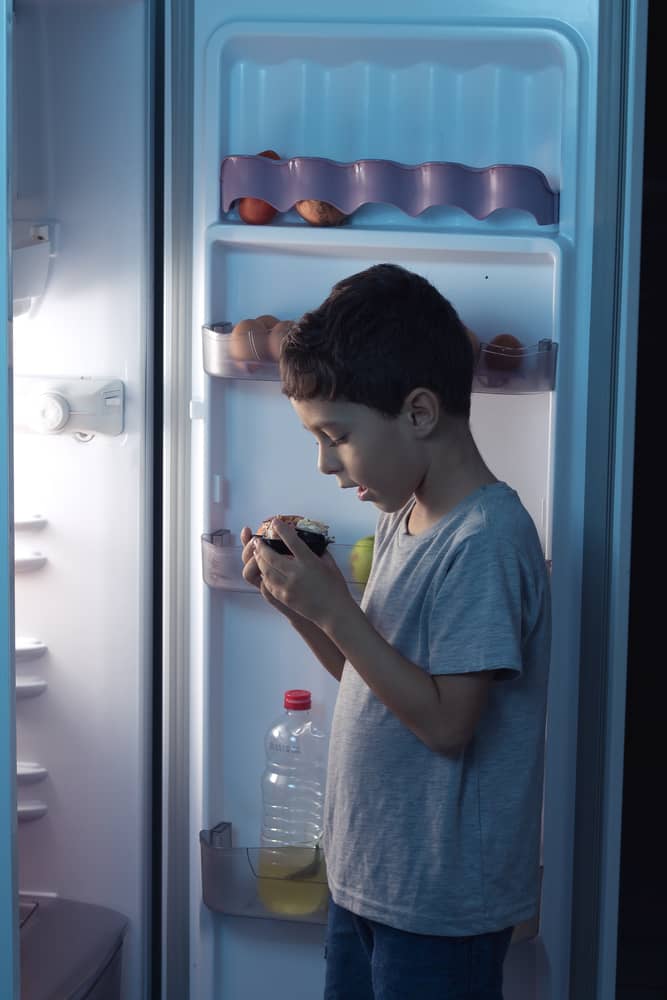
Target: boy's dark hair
378,335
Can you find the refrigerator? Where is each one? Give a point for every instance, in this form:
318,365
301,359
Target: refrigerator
495,148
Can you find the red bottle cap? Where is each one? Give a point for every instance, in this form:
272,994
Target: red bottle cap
296,699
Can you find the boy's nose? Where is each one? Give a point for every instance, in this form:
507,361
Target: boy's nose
326,461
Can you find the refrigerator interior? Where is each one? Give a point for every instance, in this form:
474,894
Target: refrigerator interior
82,493
479,90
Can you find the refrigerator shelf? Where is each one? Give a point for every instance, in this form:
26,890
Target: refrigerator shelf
222,566
28,649
260,882
30,687
28,811
28,562
29,772
32,522
526,370
31,257
413,188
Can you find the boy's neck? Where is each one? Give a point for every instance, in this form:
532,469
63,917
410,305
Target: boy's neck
455,471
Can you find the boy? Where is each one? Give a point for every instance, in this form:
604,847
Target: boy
432,814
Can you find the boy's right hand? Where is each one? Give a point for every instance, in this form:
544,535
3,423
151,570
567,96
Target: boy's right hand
252,575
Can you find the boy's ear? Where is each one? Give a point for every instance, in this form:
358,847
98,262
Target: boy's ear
422,409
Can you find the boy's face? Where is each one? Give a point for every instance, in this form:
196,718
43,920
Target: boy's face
365,449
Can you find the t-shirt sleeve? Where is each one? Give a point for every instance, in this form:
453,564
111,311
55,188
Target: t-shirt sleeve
475,620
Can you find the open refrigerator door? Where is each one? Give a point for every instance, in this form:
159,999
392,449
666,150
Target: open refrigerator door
81,487
464,148
8,880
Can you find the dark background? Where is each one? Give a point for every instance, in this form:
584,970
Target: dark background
642,956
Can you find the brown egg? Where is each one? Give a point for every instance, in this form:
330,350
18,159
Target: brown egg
474,340
255,211
320,213
505,354
276,336
249,341
268,320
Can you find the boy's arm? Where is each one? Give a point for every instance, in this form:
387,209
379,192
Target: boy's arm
326,651
441,710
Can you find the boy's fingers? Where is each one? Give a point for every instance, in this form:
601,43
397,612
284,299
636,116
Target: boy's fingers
251,572
246,534
288,534
268,559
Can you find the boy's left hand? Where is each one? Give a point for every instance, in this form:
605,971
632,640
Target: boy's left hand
312,586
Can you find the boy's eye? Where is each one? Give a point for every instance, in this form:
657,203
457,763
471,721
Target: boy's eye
328,442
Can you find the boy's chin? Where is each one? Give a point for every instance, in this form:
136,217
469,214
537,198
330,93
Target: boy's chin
389,506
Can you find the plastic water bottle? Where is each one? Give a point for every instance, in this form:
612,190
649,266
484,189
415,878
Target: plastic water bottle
292,875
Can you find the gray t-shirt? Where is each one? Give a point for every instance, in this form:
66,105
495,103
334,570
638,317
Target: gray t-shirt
421,841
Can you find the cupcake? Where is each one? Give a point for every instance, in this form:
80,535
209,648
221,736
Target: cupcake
314,533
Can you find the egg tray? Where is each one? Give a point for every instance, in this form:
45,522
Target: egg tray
413,188
527,370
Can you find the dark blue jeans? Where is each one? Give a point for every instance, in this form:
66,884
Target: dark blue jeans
370,961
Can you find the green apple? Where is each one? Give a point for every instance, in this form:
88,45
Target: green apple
361,558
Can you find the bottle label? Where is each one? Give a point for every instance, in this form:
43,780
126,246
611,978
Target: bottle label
283,747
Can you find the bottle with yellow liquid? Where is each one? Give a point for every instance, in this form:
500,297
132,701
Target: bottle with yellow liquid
292,876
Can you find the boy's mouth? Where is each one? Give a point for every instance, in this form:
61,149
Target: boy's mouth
362,492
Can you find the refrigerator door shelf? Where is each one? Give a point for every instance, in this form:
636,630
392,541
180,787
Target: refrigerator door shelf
28,562
413,188
29,649
218,361
29,811
222,566
287,883
83,406
30,687
29,772
516,371
33,522
526,370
